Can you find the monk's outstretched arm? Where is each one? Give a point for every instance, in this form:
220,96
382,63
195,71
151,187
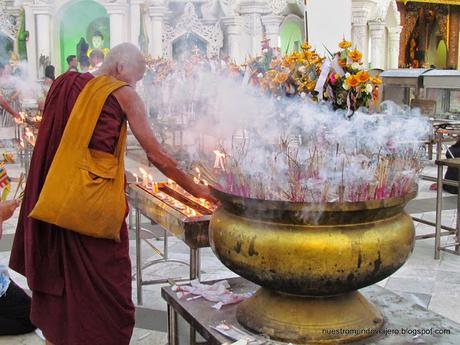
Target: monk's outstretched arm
134,108
4,104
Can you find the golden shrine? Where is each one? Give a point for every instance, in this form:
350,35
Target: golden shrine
430,33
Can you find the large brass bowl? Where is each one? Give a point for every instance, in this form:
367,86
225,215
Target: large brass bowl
310,259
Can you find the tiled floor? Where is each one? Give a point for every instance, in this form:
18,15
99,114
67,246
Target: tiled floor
434,284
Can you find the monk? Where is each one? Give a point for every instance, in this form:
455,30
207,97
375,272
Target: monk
81,286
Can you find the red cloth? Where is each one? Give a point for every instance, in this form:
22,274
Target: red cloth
81,285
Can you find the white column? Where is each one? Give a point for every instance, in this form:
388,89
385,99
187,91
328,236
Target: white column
233,26
32,56
157,14
251,12
42,18
377,33
394,34
359,35
118,30
272,28
135,21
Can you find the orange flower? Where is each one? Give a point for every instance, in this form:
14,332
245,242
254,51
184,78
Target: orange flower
342,62
344,44
281,77
355,55
362,76
352,81
376,80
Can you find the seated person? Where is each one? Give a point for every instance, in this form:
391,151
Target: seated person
452,173
14,302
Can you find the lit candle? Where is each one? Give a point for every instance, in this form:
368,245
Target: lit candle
144,177
155,187
137,177
196,180
202,201
205,183
151,182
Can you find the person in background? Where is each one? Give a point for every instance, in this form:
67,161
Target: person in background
14,302
49,75
72,62
84,65
96,58
452,173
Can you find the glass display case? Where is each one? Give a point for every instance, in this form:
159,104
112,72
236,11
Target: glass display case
443,87
403,85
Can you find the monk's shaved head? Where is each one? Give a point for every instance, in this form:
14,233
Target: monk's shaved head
124,62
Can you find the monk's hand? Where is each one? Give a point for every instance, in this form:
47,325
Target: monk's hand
7,208
201,191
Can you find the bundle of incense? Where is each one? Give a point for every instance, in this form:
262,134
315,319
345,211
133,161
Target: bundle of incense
21,181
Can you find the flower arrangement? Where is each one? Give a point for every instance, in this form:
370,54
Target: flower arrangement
294,73
348,85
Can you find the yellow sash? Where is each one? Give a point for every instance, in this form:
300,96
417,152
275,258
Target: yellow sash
84,188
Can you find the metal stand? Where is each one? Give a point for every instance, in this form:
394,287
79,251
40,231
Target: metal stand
454,163
194,260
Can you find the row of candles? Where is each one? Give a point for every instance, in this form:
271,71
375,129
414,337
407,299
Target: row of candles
146,180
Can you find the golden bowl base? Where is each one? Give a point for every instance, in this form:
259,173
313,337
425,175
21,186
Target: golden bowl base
310,320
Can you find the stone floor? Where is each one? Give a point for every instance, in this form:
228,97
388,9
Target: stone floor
433,284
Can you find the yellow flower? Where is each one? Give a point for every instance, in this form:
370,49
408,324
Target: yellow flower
305,46
362,76
344,44
352,81
376,80
355,55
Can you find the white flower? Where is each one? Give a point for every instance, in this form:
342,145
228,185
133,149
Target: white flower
265,51
260,75
346,86
355,66
368,88
347,75
303,95
303,69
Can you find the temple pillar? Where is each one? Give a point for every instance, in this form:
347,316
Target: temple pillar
135,21
157,14
394,34
377,33
116,12
359,37
42,25
454,28
233,27
272,28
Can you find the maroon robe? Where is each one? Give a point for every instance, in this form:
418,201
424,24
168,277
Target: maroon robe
81,285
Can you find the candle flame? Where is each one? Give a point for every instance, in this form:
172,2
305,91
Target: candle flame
197,181
197,170
205,182
150,178
134,174
143,172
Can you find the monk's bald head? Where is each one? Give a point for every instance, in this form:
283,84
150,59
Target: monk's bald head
124,62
